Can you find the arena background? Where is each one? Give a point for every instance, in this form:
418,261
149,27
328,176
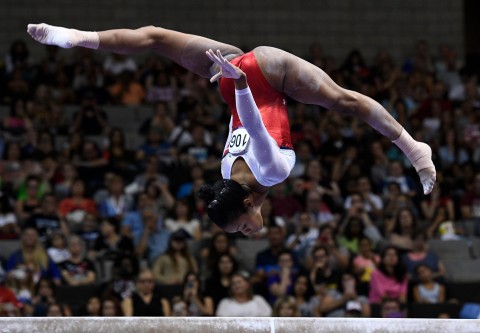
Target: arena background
339,26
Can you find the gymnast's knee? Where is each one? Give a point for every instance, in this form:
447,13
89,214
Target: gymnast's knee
347,103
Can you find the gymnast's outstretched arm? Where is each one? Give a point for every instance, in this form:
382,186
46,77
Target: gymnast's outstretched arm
185,49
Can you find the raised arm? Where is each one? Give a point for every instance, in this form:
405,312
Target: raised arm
185,49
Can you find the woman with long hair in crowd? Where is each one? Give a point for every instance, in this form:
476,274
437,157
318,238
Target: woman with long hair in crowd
198,304
217,285
32,256
390,279
171,267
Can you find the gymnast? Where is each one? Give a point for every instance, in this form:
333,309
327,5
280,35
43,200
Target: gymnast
259,152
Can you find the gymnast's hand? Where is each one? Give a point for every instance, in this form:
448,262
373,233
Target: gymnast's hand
227,70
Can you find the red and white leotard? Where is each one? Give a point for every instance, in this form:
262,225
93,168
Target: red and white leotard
259,128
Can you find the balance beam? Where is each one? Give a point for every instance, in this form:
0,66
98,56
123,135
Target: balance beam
233,325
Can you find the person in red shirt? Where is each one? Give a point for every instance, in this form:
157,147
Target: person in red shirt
77,206
234,203
9,305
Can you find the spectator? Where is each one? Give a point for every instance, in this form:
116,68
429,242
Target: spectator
44,294
115,64
420,254
117,203
64,180
57,310
285,306
364,264
9,305
266,261
303,293
46,220
33,256
339,257
110,307
334,304
284,204
90,120
146,301
391,308
372,203
197,303
162,89
9,227
77,270
27,206
390,279
242,302
304,237
397,174
111,245
93,307
400,233
470,204
217,285
77,206
181,219
122,282
217,246
132,225
322,274
17,122
161,118
20,281
154,184
17,57
89,232
427,290
91,165
58,251
171,268
12,165
318,207
120,158
281,282
439,197
127,90
155,237
356,224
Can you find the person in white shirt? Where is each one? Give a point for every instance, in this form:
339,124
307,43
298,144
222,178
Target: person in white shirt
243,303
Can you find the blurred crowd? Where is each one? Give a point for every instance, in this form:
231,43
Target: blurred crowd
346,232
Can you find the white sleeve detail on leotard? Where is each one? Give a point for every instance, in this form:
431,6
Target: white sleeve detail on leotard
265,149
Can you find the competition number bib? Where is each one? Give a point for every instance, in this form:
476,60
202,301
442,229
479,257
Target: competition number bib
239,142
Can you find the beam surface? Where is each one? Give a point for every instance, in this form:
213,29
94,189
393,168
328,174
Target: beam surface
233,325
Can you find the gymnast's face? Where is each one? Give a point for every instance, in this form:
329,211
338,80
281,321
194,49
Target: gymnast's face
248,223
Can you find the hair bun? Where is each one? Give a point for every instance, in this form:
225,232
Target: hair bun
207,193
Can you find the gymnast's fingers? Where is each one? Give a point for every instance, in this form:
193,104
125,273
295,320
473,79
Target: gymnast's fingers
216,77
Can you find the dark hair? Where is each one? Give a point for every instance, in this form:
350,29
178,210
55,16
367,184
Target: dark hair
310,290
215,268
398,228
224,201
399,271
